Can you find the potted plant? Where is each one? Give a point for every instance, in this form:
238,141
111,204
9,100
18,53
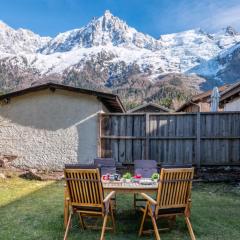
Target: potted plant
155,177
127,177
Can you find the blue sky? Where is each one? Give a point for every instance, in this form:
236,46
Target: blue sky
155,17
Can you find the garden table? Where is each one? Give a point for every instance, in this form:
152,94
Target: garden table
129,187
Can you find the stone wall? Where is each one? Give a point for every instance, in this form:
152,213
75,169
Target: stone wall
46,129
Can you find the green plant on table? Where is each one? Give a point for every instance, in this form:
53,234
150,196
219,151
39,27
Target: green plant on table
155,176
127,175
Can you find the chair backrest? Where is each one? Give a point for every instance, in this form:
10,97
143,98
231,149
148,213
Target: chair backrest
174,188
145,167
79,166
177,165
106,165
84,187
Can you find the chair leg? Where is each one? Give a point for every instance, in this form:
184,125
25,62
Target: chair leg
143,220
81,221
66,212
157,235
113,219
134,200
115,202
104,226
68,226
189,225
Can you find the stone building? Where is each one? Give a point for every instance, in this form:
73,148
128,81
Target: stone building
49,125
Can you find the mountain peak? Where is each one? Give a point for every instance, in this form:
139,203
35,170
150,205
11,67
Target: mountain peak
105,30
107,14
229,30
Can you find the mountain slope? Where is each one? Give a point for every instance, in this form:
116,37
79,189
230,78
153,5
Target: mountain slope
108,54
19,41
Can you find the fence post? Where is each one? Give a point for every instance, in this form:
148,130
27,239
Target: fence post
147,143
99,143
198,147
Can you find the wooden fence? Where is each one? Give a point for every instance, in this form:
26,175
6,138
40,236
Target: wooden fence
197,138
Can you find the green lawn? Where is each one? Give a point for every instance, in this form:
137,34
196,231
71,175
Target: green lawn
34,210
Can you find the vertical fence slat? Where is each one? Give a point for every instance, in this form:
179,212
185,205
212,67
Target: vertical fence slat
115,150
147,142
129,143
122,142
198,142
137,143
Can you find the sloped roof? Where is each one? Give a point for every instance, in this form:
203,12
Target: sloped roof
202,97
111,101
230,93
138,108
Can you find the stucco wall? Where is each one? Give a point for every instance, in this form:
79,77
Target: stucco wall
47,129
232,106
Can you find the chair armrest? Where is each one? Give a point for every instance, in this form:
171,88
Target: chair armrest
108,197
189,203
152,201
66,196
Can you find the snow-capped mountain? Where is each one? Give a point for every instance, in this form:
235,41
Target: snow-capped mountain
19,41
106,30
107,53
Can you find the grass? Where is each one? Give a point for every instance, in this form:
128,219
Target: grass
34,210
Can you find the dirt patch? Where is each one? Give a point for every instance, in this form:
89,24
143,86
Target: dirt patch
203,174
32,174
6,160
219,174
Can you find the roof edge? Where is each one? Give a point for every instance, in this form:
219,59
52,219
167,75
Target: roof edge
148,104
227,93
53,86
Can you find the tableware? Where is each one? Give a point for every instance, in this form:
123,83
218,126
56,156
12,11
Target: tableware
105,177
135,180
146,181
112,177
116,177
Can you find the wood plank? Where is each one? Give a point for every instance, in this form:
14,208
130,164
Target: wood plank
147,141
122,142
198,141
114,142
99,140
129,142
137,143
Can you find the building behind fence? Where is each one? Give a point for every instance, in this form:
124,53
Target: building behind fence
176,138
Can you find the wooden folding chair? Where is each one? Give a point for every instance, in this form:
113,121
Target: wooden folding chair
173,199
86,198
145,168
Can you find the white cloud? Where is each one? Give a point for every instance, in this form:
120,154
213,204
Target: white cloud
223,18
210,15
